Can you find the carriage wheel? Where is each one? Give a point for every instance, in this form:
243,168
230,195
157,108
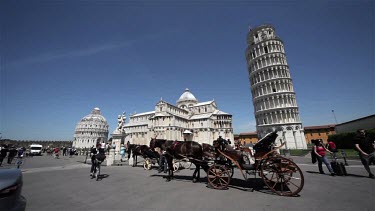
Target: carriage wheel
147,164
218,177
186,164
282,176
176,166
230,169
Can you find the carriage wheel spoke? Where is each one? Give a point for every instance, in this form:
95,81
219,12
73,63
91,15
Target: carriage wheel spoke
214,180
293,184
214,173
273,173
277,181
221,184
221,179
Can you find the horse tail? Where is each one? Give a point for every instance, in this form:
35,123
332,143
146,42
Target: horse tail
130,149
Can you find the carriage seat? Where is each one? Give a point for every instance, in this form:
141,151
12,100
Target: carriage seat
248,166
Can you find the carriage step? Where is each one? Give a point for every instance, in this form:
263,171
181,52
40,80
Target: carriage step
248,166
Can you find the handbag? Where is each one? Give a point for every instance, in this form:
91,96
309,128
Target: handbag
313,157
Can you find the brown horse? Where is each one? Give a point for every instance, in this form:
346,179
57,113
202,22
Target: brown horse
141,150
179,150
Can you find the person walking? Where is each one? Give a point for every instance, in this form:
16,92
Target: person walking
366,150
331,146
103,146
12,154
94,153
320,151
122,152
56,152
163,165
3,153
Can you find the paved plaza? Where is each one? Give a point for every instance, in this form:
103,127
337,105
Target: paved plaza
64,184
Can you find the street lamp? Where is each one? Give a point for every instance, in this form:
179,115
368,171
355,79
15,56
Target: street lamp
334,116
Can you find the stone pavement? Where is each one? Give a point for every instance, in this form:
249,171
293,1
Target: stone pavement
61,184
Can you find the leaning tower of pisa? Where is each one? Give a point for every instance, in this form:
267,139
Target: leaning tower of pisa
274,99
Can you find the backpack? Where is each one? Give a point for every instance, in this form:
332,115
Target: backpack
313,156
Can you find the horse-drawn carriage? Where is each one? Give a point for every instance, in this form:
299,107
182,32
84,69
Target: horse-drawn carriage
151,158
281,175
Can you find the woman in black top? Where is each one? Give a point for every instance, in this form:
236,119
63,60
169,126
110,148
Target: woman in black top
366,149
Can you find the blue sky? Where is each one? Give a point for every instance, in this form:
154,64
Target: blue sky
60,59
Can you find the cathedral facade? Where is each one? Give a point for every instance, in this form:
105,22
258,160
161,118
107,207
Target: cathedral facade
187,120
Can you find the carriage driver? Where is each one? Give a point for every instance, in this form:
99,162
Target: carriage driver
224,144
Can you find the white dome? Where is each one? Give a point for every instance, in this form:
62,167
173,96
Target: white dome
94,117
90,128
187,96
93,121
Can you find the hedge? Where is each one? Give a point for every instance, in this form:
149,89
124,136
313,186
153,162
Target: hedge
346,140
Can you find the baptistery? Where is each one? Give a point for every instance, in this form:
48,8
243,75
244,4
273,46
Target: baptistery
90,129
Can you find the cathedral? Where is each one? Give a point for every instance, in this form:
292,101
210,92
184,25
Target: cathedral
188,120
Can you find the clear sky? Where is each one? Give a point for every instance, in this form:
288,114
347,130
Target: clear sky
60,59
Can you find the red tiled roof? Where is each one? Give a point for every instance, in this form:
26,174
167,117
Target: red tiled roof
248,133
319,127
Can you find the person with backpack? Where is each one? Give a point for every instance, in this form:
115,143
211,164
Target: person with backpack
94,152
366,150
122,152
320,152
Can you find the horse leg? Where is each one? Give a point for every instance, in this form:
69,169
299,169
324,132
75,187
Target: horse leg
195,173
199,173
197,170
170,170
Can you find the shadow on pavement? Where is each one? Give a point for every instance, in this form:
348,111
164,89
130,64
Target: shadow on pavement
102,176
252,184
348,175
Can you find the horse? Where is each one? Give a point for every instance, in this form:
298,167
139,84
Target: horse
141,150
179,150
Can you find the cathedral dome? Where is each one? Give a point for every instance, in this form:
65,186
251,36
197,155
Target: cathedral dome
91,127
186,100
187,96
95,116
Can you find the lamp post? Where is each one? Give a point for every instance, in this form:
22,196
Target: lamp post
334,116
